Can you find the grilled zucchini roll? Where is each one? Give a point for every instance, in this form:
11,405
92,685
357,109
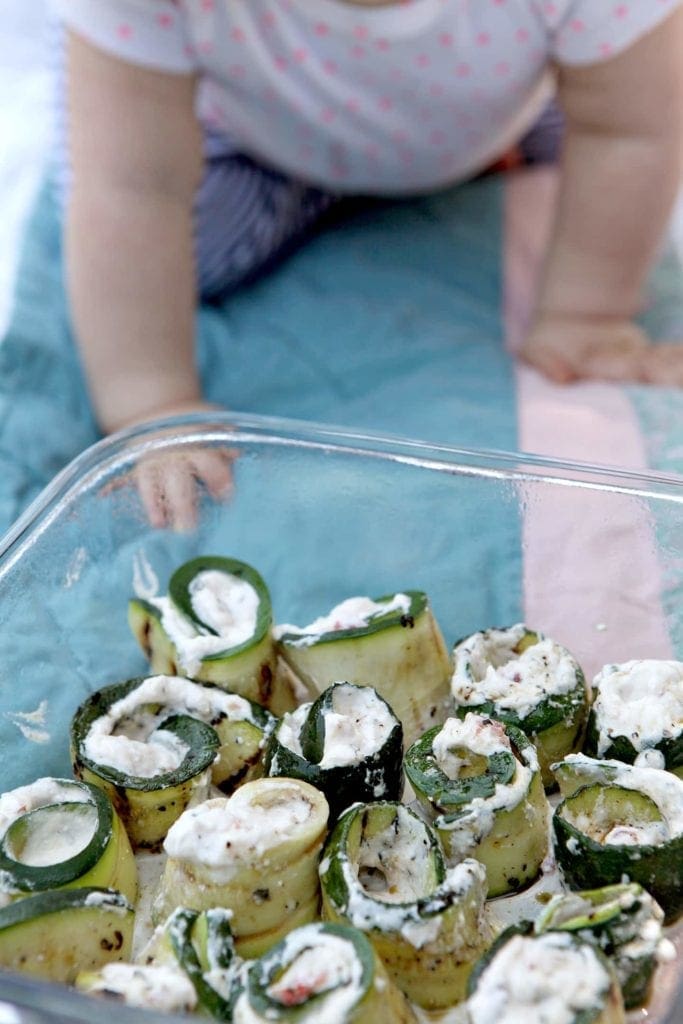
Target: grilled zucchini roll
153,744
255,853
480,783
348,743
550,977
54,935
214,625
621,920
391,643
57,834
161,987
523,679
321,972
620,822
637,714
384,873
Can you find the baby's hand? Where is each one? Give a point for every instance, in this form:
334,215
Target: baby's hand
568,348
169,482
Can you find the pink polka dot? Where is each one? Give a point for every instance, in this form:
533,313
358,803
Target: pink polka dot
437,137
124,31
446,39
483,39
499,3
522,35
239,35
400,136
358,52
321,28
550,9
340,171
205,47
330,67
237,70
577,25
397,74
423,60
502,69
361,32
606,49
436,89
188,50
385,103
352,105
382,44
463,70
328,115
621,11
300,55
267,20
164,20
280,62
207,5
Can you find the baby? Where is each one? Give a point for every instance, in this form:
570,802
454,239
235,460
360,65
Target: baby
207,136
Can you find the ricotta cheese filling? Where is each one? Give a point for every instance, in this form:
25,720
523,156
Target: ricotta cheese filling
487,668
222,836
155,987
41,793
319,963
128,738
640,700
547,978
225,603
356,726
482,737
53,837
353,613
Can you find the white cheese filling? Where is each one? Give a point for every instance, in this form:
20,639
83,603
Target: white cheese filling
640,700
547,978
226,603
356,726
222,836
56,836
353,613
128,738
155,987
18,802
487,668
484,737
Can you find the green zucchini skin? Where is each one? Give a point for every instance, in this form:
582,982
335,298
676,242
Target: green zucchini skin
248,669
510,841
586,863
377,1000
614,919
621,748
106,861
427,943
55,935
555,725
203,942
401,654
376,776
229,751
610,1010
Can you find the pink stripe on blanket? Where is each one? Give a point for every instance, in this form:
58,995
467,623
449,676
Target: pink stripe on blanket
592,577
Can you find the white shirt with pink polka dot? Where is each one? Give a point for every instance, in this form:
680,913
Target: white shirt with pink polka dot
386,100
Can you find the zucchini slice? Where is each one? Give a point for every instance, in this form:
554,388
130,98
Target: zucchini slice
623,921
58,833
255,853
348,743
152,744
637,714
321,973
55,935
522,678
620,822
480,784
383,872
214,625
554,976
392,643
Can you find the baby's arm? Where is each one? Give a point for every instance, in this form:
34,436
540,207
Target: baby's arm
135,151
620,175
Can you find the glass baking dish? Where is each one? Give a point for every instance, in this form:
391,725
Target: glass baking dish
592,556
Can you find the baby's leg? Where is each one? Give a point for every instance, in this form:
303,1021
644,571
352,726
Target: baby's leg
247,217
